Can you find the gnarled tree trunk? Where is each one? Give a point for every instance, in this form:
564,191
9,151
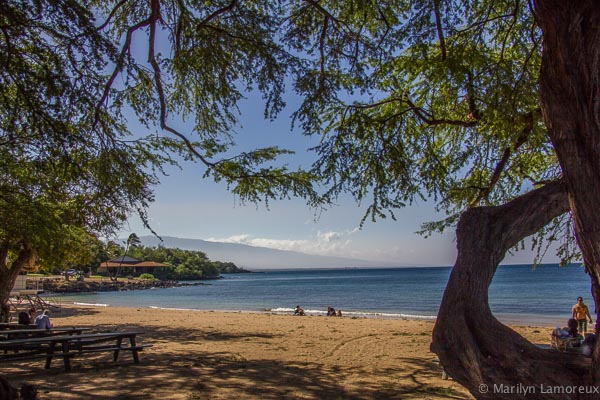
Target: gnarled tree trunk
473,346
570,96
10,271
487,357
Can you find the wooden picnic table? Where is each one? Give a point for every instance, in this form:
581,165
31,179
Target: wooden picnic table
12,325
34,332
73,345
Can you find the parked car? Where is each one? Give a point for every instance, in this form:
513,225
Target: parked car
71,272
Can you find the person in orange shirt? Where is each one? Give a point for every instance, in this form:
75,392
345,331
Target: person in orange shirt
581,313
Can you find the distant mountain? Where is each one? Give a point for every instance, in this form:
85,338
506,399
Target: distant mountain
256,258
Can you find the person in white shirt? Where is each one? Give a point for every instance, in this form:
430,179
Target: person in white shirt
43,321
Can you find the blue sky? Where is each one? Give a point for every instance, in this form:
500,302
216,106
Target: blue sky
188,206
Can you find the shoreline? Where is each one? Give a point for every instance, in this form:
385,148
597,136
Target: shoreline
524,320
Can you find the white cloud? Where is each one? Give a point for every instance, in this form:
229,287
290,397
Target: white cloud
328,243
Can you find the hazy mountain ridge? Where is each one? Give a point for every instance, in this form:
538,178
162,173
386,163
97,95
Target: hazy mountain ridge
252,257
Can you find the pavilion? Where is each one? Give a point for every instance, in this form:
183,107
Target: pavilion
133,265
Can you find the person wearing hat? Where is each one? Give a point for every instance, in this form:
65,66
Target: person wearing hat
581,313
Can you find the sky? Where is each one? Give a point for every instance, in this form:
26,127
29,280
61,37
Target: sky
188,206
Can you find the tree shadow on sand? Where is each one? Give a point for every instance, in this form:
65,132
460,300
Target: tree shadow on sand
188,373
201,375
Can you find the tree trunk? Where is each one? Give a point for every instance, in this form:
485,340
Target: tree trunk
570,97
473,346
9,273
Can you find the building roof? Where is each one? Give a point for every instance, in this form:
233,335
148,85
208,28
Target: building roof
124,260
138,263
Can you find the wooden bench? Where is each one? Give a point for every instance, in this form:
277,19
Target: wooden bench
31,333
10,325
69,346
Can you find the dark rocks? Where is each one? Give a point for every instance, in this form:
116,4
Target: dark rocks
63,286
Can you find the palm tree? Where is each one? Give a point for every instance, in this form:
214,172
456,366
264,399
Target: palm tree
132,241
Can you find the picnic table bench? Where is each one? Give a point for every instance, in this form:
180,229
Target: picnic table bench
34,332
11,325
68,346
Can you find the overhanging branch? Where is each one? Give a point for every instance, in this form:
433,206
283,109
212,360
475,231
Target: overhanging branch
215,14
440,31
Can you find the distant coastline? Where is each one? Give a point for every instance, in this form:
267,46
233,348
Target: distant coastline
91,286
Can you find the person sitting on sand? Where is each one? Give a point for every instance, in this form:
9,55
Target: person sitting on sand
24,318
331,311
587,346
339,313
570,333
573,329
31,314
43,321
298,310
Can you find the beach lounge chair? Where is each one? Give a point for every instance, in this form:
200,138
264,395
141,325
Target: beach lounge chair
561,341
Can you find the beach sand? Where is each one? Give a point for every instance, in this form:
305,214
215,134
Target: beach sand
239,355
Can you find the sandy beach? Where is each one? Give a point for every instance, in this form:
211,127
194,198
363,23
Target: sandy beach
227,355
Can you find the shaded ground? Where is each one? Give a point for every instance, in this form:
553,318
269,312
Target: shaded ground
244,356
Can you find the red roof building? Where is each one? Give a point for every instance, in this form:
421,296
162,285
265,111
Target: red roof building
133,265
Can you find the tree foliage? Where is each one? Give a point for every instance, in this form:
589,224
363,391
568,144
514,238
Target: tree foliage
413,100
185,264
69,82
447,109
66,170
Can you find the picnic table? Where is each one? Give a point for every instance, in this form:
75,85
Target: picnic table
34,332
12,325
68,346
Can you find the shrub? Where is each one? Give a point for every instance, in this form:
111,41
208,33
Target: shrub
147,276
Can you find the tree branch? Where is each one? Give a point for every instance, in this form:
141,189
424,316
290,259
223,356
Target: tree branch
322,54
3,258
438,23
472,344
421,113
119,64
112,14
483,22
214,15
473,110
8,47
325,13
154,18
506,154
431,121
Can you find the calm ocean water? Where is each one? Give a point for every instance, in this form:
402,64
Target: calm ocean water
518,293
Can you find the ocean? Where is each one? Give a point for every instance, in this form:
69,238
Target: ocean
519,293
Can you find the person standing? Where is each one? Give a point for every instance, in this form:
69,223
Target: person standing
581,313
